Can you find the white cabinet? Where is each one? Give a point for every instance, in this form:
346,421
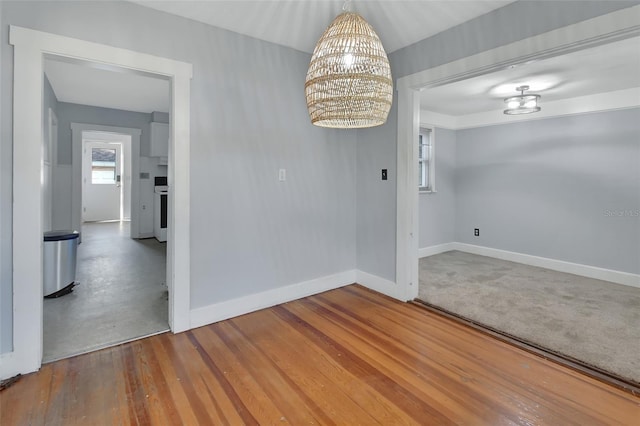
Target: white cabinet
159,140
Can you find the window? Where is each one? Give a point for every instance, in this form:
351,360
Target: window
103,166
426,171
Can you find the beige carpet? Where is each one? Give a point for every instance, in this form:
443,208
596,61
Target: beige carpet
595,321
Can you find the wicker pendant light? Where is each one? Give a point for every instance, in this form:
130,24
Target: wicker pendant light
349,81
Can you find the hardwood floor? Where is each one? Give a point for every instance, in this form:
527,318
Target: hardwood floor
348,356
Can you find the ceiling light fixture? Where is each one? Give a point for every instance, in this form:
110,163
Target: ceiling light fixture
522,104
349,83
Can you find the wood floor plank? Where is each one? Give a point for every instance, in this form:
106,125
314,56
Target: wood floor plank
206,396
561,390
268,376
348,356
450,362
527,376
171,393
160,404
330,388
234,376
118,402
96,392
441,392
353,355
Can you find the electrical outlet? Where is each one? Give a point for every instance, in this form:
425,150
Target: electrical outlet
384,174
476,232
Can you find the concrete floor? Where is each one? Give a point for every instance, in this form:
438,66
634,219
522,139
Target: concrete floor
121,296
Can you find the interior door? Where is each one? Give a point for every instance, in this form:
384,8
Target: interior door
101,181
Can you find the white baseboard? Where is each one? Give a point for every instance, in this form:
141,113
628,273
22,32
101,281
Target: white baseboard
433,250
376,283
624,278
243,305
254,302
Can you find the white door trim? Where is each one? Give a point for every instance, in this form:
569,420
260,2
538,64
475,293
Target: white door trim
29,48
77,129
604,29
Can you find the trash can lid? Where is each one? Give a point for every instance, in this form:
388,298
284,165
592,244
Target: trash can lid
66,234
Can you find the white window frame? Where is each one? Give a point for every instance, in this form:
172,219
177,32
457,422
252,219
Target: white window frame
113,181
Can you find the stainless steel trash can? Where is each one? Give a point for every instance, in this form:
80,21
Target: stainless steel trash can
59,258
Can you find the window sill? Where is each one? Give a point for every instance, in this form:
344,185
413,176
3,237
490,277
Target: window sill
427,191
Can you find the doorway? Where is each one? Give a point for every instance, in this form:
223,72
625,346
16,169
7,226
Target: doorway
103,181
494,252
480,268
30,47
121,292
582,35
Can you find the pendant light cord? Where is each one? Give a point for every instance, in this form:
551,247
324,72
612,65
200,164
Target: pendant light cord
346,7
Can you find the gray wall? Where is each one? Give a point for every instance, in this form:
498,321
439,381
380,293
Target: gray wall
250,233
566,188
376,210
73,113
438,210
376,204
513,22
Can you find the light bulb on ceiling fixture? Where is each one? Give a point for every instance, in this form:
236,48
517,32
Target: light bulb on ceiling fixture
522,104
348,60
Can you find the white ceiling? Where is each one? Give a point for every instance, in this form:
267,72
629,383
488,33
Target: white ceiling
605,68
293,23
300,23
90,85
